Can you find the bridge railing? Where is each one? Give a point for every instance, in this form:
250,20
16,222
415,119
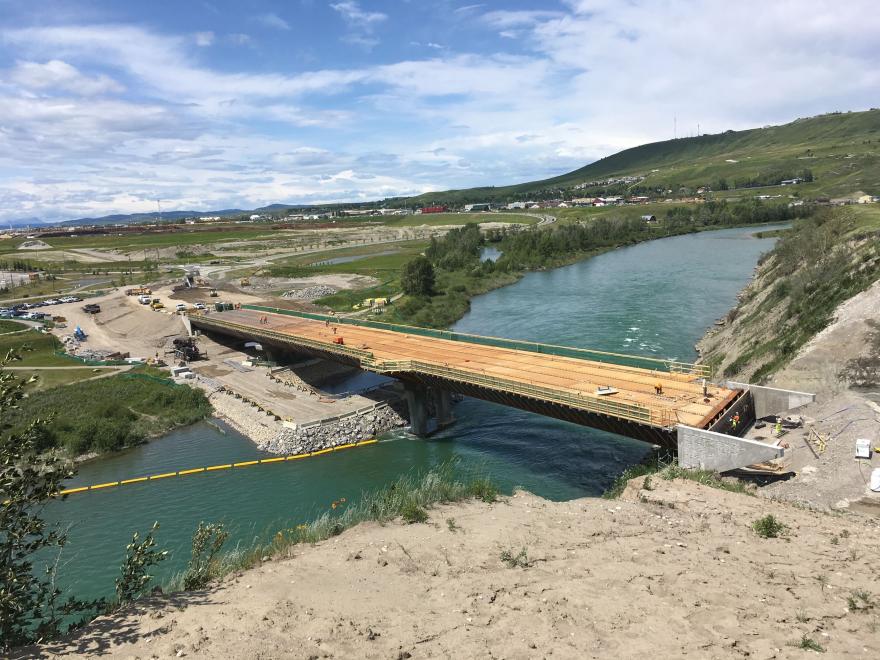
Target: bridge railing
660,417
655,416
621,359
294,340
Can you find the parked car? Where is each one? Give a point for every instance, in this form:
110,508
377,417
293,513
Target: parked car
200,305
91,308
52,301
144,300
180,307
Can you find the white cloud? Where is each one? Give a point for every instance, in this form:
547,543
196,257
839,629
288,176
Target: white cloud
239,39
204,38
59,75
361,23
571,87
352,12
272,20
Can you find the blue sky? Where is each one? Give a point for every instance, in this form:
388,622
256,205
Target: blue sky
106,106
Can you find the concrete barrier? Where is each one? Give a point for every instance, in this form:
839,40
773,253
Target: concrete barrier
772,400
708,450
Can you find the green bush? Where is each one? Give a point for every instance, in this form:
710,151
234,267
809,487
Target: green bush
768,527
140,556
110,414
206,543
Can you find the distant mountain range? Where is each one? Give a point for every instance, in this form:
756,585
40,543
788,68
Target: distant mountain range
840,151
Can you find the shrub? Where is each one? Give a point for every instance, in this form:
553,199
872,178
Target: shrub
518,560
206,543
139,558
768,527
412,512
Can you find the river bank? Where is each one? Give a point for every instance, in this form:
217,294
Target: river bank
611,302
456,288
682,572
808,322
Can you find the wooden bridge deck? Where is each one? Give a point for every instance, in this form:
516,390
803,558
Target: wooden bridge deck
681,401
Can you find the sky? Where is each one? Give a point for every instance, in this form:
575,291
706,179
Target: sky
109,105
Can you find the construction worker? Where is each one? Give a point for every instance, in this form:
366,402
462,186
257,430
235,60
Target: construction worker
658,388
778,429
705,389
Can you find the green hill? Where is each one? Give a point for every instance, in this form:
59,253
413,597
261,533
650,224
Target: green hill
841,151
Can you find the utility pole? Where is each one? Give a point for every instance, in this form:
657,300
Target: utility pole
674,127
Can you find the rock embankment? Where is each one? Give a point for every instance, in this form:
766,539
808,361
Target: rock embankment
353,428
310,292
271,435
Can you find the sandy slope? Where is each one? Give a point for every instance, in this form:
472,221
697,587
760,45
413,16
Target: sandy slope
671,571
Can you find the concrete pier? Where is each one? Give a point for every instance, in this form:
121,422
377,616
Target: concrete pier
416,396
442,407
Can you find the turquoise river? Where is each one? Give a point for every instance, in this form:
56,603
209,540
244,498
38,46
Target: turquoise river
656,298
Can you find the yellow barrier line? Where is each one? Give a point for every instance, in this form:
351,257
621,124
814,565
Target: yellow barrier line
109,484
73,490
226,466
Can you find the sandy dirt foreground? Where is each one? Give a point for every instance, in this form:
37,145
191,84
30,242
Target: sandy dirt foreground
667,572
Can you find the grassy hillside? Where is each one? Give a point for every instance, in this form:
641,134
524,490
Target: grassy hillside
842,150
822,262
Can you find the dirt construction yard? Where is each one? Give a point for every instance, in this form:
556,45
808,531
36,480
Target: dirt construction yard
674,569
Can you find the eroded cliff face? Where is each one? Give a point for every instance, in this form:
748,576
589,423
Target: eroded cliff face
808,320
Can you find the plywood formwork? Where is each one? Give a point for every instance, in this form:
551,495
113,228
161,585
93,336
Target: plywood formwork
554,379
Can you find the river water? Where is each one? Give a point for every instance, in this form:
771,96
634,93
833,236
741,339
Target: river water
655,299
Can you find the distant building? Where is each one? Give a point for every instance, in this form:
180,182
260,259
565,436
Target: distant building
867,199
477,208
791,182
649,218
433,209
516,205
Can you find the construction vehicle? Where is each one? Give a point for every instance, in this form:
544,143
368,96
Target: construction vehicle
185,349
79,335
157,304
213,293
245,281
138,291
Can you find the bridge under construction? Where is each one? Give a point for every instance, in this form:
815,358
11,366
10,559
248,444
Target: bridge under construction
639,397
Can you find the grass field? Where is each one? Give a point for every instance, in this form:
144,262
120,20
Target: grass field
441,219
49,378
7,326
134,241
380,266
41,349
